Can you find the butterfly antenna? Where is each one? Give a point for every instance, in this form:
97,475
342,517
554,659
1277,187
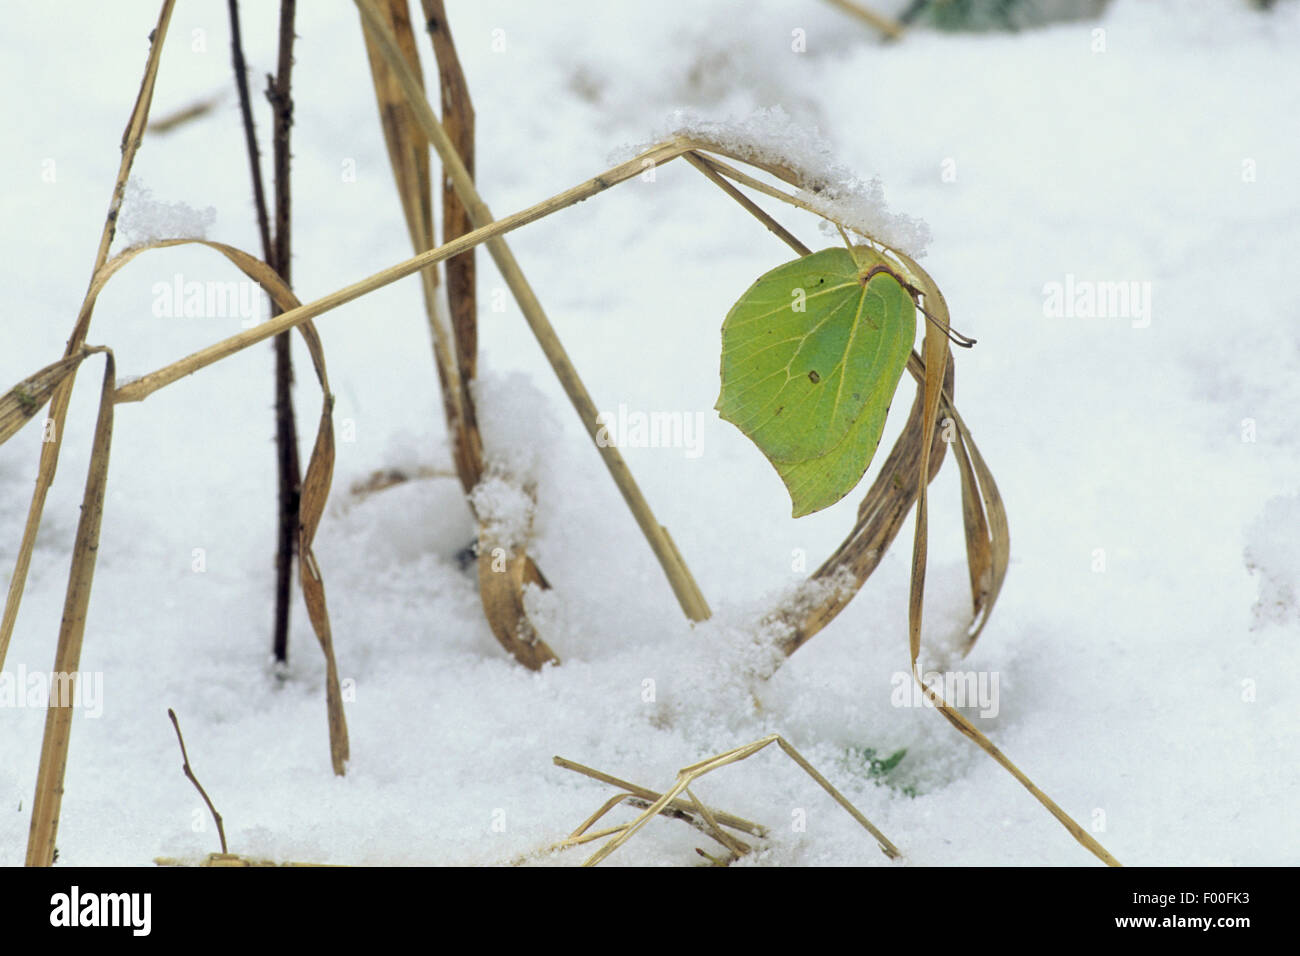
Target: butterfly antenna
953,336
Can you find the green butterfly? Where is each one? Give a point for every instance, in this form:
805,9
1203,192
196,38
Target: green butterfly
812,354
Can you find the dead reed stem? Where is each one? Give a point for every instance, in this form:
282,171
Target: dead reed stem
679,576
72,630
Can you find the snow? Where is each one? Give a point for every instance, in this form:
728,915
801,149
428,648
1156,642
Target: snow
771,136
1148,627
142,218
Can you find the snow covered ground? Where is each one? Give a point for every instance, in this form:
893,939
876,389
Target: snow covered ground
1148,636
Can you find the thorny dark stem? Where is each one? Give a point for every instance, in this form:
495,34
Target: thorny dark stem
250,135
279,93
277,254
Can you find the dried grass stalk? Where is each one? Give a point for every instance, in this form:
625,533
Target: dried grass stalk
142,387
683,583
49,459
408,154
458,120
178,118
455,342
502,594
645,793
72,630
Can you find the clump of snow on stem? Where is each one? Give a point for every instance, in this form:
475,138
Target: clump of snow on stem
141,218
770,136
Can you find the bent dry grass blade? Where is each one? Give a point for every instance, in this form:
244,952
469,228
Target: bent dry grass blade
316,480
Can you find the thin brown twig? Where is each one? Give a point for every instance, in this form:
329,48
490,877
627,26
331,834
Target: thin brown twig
221,830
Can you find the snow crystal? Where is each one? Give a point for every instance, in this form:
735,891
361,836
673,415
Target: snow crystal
141,218
771,136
